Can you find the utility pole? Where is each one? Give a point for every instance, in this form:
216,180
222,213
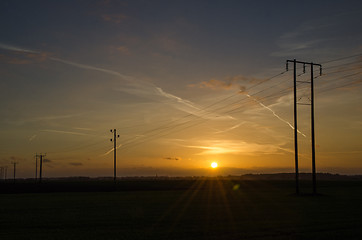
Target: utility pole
36,167
41,165
115,136
312,120
295,124
14,170
6,171
3,172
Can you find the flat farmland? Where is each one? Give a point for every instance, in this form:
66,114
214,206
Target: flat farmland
181,209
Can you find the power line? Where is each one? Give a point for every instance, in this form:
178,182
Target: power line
164,130
344,64
223,112
342,58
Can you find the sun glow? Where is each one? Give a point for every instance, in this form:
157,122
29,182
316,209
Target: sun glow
214,164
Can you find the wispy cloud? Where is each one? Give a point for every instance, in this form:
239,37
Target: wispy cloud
143,87
172,158
227,83
44,118
83,129
234,147
123,49
76,164
114,18
66,132
317,38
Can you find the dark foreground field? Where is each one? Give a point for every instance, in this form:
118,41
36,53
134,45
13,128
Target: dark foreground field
193,209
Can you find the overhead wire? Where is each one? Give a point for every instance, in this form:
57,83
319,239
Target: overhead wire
181,124
184,122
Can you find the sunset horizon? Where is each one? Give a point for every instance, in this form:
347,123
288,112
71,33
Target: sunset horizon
184,85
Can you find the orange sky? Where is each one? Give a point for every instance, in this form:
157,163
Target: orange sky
183,85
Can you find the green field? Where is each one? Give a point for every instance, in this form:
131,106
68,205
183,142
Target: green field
200,209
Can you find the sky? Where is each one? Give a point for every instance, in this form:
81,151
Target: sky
184,83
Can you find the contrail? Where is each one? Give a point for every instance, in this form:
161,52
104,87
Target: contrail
229,129
17,49
191,108
32,138
276,115
186,105
108,152
79,65
66,132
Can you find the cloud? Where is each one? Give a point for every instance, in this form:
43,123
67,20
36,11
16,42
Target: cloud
172,158
228,83
138,86
317,38
66,132
45,118
146,89
123,49
83,129
13,60
114,18
22,55
76,164
167,43
12,158
177,171
234,147
27,58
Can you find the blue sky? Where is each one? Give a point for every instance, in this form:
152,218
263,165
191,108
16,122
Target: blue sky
167,74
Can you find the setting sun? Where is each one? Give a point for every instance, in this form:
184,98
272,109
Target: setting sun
214,164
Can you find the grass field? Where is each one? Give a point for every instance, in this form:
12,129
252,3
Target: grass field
200,209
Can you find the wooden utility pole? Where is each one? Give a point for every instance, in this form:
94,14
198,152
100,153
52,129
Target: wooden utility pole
36,167
14,170
41,156
115,136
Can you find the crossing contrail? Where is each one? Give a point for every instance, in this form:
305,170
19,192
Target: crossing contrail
276,115
146,88
108,152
